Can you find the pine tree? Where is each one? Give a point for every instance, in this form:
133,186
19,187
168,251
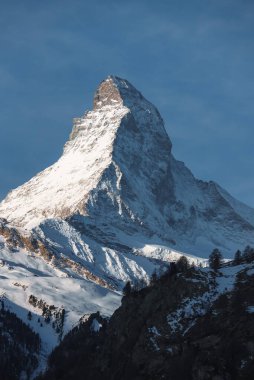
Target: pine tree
29,315
248,254
215,259
127,289
238,257
182,264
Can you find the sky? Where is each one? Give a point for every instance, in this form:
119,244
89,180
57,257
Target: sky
192,59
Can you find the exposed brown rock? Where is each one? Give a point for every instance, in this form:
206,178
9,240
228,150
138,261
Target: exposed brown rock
15,239
106,94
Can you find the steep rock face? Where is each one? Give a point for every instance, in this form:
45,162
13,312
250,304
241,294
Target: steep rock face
118,184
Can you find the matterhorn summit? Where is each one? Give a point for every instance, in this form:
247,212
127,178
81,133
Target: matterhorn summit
123,130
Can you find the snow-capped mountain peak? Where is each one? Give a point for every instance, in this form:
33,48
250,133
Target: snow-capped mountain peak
117,172
115,207
122,121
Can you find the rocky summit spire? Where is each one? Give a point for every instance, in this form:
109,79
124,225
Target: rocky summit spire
107,94
125,132
114,91
116,97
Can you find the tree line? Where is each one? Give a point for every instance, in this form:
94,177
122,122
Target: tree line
240,257
215,260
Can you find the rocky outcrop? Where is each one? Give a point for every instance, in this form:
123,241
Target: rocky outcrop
107,94
18,239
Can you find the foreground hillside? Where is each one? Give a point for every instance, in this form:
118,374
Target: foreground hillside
19,347
195,325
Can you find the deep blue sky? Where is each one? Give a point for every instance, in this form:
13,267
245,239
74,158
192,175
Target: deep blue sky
192,59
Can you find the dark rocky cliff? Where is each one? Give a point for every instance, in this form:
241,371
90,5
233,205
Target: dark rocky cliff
180,327
19,347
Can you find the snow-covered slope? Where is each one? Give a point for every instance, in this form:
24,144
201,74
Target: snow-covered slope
63,188
68,279
28,283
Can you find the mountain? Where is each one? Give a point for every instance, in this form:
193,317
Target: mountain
191,325
116,206
118,184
